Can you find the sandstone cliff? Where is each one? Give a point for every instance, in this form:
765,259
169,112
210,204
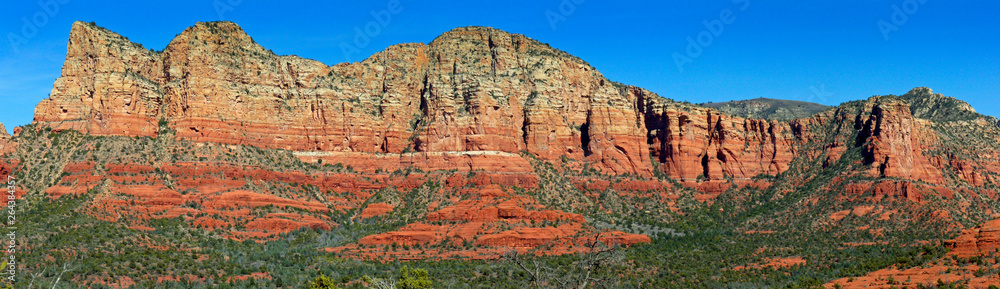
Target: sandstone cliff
894,141
472,99
472,89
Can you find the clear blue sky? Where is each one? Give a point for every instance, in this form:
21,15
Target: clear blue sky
821,51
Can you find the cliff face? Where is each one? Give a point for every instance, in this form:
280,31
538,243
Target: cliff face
472,89
894,142
692,142
105,86
472,99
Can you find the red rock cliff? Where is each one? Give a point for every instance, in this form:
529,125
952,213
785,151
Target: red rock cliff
472,90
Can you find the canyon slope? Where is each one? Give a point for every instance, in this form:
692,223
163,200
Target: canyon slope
472,145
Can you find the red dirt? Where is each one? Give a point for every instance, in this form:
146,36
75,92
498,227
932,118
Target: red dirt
255,275
776,263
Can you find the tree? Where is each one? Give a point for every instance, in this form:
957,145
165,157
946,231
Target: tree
413,278
582,274
408,279
322,282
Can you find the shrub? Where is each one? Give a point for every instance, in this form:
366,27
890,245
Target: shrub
413,278
322,282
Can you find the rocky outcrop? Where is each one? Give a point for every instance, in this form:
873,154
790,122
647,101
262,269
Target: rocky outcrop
376,209
980,241
207,196
106,86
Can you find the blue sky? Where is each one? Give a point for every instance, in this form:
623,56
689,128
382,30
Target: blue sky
820,51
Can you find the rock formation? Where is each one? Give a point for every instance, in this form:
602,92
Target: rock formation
484,225
472,89
472,99
894,142
983,240
693,142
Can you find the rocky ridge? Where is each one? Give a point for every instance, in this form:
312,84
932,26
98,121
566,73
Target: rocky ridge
766,108
503,93
472,89
472,99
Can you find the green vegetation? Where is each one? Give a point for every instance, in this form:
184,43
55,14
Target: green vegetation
322,282
770,109
925,104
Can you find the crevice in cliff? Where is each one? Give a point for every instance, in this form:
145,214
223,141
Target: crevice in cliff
878,113
424,90
418,118
524,126
493,54
864,131
719,131
771,133
704,165
528,101
883,167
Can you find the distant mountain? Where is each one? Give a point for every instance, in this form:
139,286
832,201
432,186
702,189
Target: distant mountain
767,108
